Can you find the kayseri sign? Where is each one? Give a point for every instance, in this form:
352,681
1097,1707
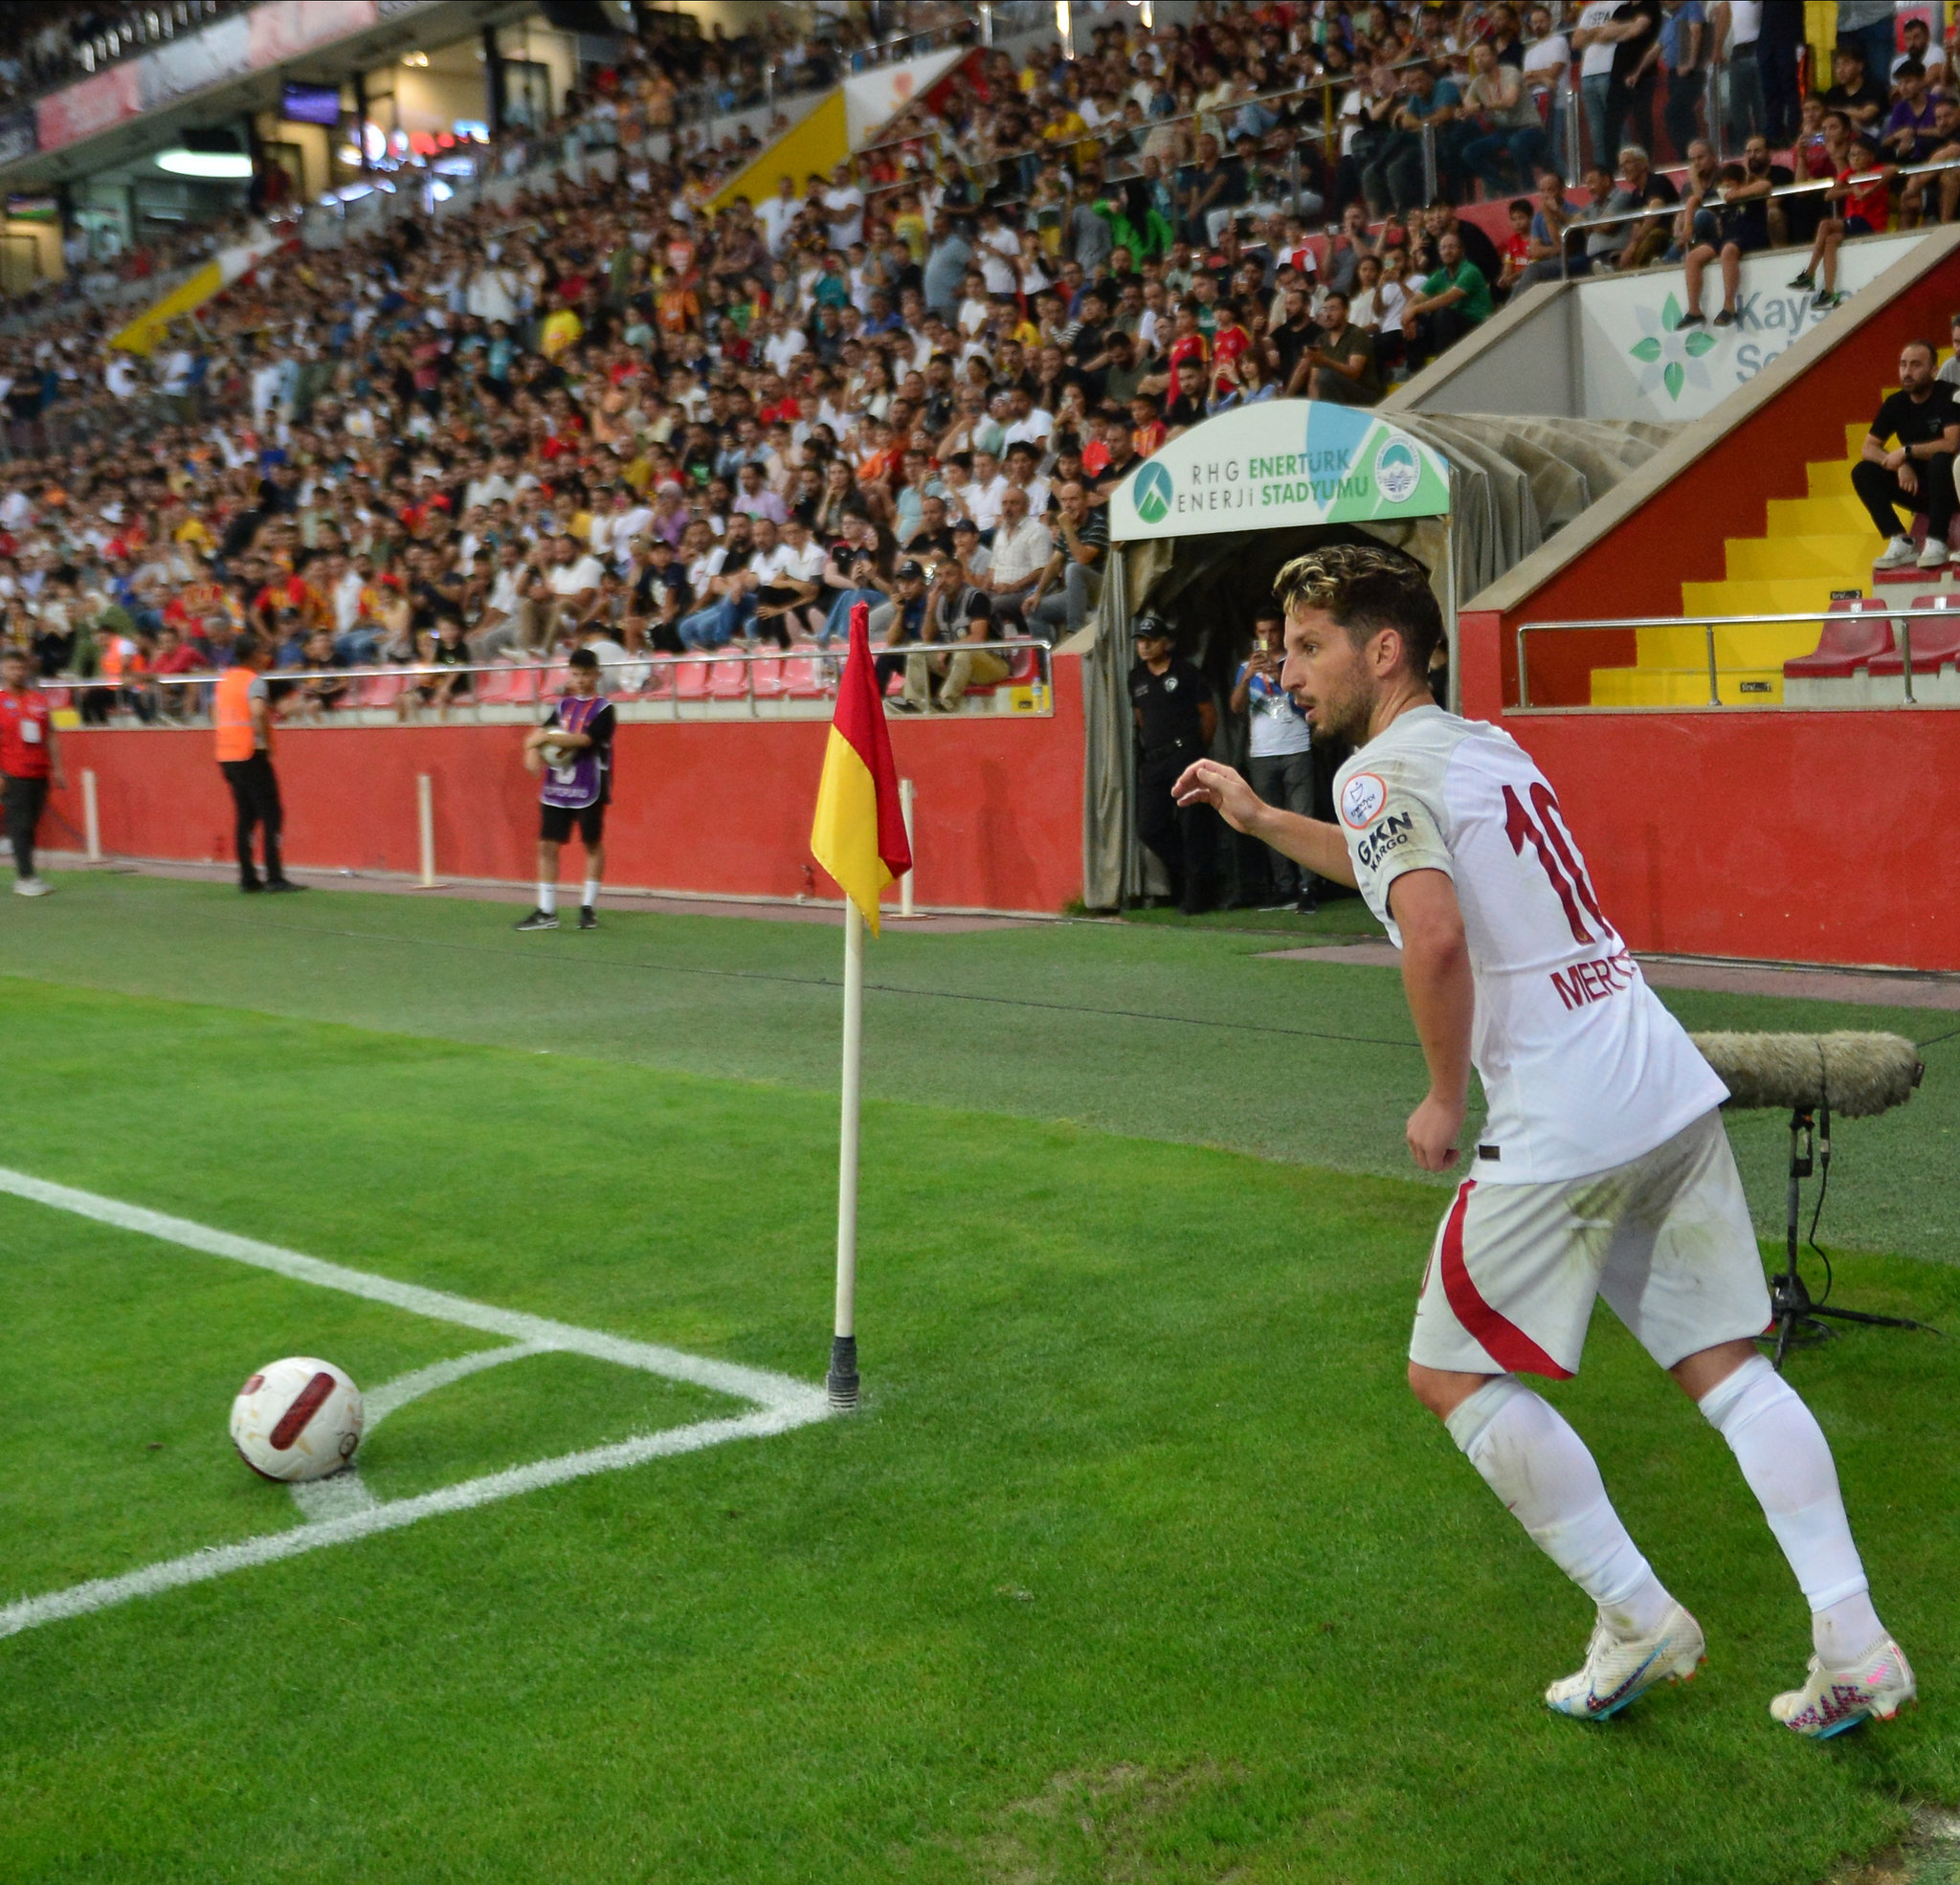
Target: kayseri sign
1276,465
1640,363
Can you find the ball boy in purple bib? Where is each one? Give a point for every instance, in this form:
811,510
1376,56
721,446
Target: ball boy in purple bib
572,753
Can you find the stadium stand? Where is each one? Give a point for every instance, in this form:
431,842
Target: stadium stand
584,349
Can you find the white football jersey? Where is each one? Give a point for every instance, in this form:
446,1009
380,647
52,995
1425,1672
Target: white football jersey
1582,1067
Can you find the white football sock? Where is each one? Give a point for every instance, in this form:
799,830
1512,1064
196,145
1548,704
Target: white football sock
547,899
591,895
1533,1461
1787,1461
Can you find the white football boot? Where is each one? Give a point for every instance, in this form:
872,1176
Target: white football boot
1899,554
1621,1669
1834,1699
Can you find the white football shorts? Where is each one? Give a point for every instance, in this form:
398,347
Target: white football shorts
1667,1239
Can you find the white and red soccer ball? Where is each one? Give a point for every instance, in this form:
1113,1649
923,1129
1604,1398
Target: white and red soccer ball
297,1419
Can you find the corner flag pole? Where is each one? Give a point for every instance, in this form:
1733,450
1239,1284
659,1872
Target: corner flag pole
843,1375
859,836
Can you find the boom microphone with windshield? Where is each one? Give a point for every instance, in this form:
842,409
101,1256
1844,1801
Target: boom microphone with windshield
1851,1074
1858,1074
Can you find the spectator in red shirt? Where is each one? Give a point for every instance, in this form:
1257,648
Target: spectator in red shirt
1863,207
175,657
1187,341
30,761
1227,342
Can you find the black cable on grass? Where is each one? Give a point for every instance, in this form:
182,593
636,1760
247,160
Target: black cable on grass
1938,1038
826,982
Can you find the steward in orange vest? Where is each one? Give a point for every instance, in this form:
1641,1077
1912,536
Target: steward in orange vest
242,716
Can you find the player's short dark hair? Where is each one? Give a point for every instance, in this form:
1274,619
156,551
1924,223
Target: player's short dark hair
581,657
1909,69
1366,587
246,647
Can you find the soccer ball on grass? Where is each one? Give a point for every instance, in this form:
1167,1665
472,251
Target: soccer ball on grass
297,1419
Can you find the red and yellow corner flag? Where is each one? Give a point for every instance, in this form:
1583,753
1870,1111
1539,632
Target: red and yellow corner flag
859,832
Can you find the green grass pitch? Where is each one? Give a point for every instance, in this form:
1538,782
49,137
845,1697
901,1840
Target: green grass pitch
1138,1563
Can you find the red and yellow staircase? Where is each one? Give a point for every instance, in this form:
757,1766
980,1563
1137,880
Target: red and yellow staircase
1813,545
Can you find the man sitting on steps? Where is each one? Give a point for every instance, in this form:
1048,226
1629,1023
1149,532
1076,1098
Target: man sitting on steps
1918,472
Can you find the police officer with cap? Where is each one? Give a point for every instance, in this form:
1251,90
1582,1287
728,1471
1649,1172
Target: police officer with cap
1175,719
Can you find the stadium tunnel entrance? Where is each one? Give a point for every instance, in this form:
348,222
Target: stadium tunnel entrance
1199,531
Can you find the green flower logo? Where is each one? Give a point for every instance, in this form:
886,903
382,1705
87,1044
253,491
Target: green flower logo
1668,357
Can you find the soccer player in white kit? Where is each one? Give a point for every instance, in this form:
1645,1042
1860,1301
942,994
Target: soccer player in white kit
1602,1167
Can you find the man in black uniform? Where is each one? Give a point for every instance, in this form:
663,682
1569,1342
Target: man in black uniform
1176,718
1918,472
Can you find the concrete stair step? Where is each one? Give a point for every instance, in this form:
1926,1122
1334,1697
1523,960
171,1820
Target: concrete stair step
1769,595
1825,513
1744,645
1841,556
1685,687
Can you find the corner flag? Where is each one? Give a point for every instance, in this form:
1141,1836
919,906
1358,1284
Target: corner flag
860,838
858,835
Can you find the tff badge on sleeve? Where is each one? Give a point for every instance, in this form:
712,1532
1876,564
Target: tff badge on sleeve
1361,799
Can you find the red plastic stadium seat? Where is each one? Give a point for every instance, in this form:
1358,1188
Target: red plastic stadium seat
1845,645
58,697
377,690
727,680
691,680
803,679
770,682
1933,643
659,678
498,687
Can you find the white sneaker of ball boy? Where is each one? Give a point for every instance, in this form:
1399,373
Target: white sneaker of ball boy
1602,1168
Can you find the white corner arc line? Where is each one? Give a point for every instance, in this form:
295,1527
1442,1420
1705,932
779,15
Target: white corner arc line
391,1395
783,1403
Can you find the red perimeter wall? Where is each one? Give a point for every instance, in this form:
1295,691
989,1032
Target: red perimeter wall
722,807
1789,835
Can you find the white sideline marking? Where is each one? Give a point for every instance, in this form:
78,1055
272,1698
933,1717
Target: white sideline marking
757,1385
350,1512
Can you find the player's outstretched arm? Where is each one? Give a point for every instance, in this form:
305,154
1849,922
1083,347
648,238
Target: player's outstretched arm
1435,977
1308,841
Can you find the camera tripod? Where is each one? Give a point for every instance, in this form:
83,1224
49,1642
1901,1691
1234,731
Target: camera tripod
1794,1316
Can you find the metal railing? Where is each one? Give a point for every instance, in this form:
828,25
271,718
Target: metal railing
1655,211
1901,620
772,683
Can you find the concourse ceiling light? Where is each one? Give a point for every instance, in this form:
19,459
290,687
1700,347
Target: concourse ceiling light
212,166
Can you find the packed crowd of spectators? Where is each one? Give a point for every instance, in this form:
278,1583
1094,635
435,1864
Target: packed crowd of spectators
610,411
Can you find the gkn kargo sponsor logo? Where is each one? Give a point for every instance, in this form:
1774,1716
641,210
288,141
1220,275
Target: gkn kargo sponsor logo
1393,832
